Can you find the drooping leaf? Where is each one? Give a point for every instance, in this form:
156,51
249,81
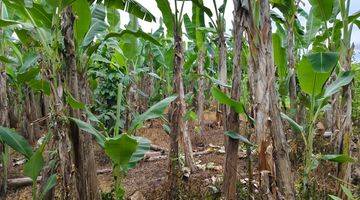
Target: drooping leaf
82,20
75,104
279,55
323,61
29,60
343,79
153,112
167,15
91,116
27,38
276,17
131,42
120,149
217,82
339,158
35,14
354,16
6,59
224,99
16,141
90,129
239,137
40,16
142,148
295,126
113,18
5,23
98,12
152,74
190,60
131,7
97,27
189,27
138,34
223,6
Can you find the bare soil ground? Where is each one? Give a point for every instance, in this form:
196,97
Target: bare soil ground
149,177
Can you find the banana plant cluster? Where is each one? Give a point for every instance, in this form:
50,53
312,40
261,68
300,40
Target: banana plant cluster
124,149
312,68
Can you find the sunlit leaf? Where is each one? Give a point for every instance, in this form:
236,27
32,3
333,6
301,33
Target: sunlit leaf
323,62
311,82
224,99
343,79
153,112
322,8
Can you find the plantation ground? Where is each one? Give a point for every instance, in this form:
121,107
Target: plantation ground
149,177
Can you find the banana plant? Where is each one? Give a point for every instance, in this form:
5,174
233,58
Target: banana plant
313,71
124,150
347,192
34,159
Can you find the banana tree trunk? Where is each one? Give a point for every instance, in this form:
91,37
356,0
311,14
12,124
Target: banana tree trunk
269,130
222,72
200,92
176,119
233,121
176,113
81,142
345,134
291,64
30,127
89,177
67,182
